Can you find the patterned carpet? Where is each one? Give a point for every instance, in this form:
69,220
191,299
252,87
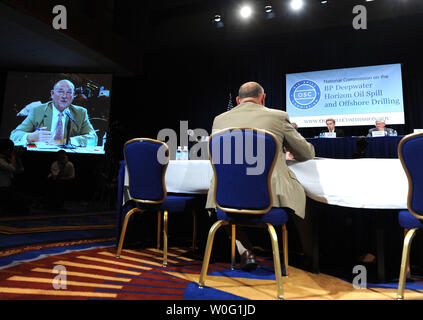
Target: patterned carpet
39,227
58,222
87,270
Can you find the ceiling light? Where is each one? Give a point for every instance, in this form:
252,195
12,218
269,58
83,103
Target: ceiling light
269,12
217,20
296,4
245,12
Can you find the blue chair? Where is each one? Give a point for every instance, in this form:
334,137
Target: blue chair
410,151
147,161
243,193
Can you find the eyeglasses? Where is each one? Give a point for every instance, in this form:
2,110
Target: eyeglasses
61,92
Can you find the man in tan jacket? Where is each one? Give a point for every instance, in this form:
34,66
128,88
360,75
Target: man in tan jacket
287,191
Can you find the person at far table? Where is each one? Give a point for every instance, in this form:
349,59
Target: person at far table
380,125
330,123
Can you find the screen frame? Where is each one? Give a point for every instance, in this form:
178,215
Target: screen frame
56,71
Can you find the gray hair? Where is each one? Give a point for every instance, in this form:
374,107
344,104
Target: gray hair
66,81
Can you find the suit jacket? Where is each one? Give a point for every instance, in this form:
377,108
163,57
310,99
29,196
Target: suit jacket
339,132
287,190
41,116
388,131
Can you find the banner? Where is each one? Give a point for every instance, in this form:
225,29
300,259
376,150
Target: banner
352,96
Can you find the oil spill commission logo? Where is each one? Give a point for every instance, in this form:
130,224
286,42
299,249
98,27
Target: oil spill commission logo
305,94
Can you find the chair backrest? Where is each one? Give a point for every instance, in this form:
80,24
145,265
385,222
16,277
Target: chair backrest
146,169
243,160
410,151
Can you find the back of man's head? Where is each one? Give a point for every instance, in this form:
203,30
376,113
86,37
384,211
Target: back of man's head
250,90
62,155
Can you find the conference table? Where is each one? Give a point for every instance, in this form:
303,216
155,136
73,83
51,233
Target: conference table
352,183
39,146
345,147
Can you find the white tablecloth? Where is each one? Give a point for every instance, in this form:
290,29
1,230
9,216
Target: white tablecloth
355,183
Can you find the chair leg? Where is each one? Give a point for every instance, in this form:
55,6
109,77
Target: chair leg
207,253
165,214
159,222
194,232
404,262
276,260
125,225
285,248
408,274
233,239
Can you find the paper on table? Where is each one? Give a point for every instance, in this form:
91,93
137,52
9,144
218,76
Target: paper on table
44,145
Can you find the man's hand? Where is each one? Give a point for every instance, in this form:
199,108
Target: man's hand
289,155
40,136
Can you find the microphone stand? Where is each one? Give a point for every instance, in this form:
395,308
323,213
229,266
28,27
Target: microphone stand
67,144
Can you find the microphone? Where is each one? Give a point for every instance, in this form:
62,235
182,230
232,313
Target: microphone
192,136
69,115
67,144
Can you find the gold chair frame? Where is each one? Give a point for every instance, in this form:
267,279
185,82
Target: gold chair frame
165,212
270,228
408,234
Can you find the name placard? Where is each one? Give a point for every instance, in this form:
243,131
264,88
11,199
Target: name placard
378,133
330,134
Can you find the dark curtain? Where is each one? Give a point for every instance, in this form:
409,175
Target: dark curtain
193,82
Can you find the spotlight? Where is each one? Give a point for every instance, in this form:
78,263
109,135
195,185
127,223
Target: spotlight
269,12
324,1
245,12
296,4
217,20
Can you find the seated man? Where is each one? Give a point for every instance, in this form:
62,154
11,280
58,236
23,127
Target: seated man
62,169
59,181
380,126
11,201
48,122
287,191
330,123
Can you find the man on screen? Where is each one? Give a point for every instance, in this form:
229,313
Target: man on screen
49,122
330,123
380,126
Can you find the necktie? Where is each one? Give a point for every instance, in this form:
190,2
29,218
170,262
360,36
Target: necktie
59,128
